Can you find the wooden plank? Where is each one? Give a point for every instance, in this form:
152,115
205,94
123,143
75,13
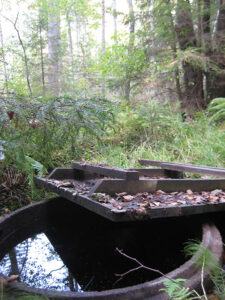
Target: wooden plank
195,169
151,185
61,173
149,172
185,210
83,201
107,171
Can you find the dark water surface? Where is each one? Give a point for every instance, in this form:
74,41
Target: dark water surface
77,250
38,265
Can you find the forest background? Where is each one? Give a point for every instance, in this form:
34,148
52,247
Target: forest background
108,82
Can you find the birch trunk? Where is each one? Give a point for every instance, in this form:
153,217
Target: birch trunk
53,47
77,33
115,20
70,43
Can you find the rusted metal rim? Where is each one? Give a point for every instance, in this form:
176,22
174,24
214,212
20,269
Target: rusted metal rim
17,226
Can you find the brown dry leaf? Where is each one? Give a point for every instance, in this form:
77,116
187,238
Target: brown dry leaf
158,192
12,278
121,194
144,201
189,192
181,201
65,184
127,198
118,206
212,198
216,192
198,199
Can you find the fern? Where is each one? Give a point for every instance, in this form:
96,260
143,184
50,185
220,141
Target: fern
212,266
217,109
177,291
35,165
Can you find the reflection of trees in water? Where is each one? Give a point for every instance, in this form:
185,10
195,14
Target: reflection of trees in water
38,265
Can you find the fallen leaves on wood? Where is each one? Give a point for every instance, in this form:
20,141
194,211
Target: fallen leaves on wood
72,185
143,201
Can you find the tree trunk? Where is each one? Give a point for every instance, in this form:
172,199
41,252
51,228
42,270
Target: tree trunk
42,59
24,53
77,33
4,60
70,43
13,260
216,80
174,49
193,97
53,47
115,21
103,42
130,48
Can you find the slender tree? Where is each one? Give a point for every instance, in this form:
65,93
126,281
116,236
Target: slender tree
103,41
130,47
193,95
42,54
115,20
25,57
53,47
4,58
68,19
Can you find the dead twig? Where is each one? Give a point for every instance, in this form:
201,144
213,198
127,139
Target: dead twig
140,266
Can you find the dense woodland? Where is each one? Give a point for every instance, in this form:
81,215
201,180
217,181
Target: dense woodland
110,82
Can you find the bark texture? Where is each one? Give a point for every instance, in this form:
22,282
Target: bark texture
193,88
53,47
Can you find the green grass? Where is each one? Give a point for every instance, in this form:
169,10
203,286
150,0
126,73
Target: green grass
197,141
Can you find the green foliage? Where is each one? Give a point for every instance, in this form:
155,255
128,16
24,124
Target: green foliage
217,109
177,291
157,131
7,294
211,265
36,133
120,64
205,260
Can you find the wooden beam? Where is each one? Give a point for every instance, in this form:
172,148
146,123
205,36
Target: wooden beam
196,169
107,171
152,185
218,172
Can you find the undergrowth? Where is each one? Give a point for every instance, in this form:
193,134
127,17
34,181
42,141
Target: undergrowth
158,132
40,134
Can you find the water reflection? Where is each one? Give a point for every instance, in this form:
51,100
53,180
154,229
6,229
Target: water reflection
38,265
82,246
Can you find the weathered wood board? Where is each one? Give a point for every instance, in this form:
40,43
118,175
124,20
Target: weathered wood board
113,186
212,171
152,185
107,171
